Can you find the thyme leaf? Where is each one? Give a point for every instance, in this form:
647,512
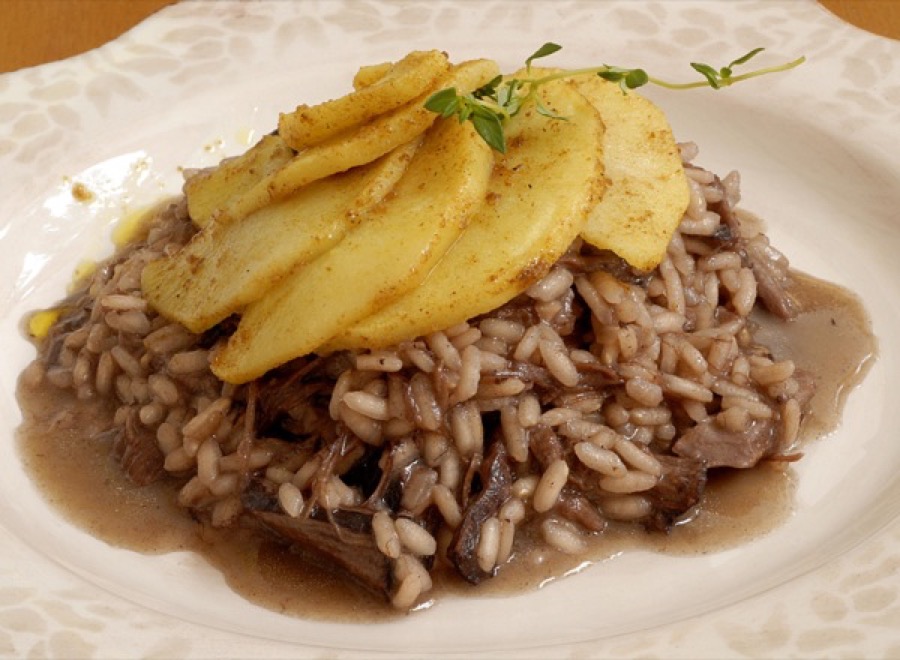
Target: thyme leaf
547,49
489,106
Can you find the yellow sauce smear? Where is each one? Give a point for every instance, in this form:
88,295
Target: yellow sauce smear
39,323
127,229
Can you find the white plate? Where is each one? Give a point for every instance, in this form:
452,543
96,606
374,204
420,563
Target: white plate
817,149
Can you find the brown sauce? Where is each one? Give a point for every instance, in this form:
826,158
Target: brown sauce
81,479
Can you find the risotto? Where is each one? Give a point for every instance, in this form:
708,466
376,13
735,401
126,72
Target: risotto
601,397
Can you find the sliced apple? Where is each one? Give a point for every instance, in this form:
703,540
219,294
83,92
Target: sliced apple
212,189
409,78
358,146
648,190
227,266
370,74
538,200
387,254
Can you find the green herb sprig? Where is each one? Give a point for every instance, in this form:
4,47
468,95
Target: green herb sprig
492,104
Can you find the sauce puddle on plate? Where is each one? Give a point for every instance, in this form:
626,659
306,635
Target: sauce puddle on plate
81,479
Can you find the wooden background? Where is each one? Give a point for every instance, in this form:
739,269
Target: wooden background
38,31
